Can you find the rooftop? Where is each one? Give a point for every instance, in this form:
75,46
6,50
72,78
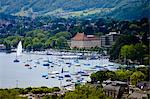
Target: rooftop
137,95
113,33
84,37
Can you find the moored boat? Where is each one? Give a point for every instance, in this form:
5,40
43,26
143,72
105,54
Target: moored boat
18,52
26,65
30,67
46,64
16,60
67,75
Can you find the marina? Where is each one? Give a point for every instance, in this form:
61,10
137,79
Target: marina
47,70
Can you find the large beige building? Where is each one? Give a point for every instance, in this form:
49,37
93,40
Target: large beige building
81,40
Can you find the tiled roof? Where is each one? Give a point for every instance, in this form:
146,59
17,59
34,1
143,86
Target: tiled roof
110,87
79,37
84,37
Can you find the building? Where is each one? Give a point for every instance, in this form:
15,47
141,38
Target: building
115,89
2,47
138,95
145,85
108,39
81,40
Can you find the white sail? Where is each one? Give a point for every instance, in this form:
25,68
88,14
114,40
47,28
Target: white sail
19,49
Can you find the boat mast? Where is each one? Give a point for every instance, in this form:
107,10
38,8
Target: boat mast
16,54
16,83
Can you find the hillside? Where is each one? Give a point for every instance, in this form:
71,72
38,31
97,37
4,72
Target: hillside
123,9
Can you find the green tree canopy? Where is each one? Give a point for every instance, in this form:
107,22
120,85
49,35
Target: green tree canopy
86,92
137,77
128,51
123,75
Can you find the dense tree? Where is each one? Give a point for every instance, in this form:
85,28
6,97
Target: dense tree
121,41
134,52
61,42
123,75
66,35
10,94
137,77
86,92
133,75
146,71
140,52
127,52
102,75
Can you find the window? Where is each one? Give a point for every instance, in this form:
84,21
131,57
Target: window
107,41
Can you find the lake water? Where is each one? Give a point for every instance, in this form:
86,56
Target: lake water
16,74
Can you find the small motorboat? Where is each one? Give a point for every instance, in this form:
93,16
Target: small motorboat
77,76
61,61
77,64
58,64
68,63
98,66
74,73
84,74
86,64
55,72
65,71
50,62
45,60
60,77
76,61
67,75
37,62
83,81
69,80
26,65
16,61
46,77
53,76
93,67
30,60
80,79
73,82
68,85
80,72
30,67
46,64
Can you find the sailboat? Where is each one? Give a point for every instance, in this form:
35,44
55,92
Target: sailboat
19,51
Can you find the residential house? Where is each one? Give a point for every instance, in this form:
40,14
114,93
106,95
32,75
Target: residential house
115,89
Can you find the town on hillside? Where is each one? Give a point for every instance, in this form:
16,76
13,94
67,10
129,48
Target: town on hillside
74,49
